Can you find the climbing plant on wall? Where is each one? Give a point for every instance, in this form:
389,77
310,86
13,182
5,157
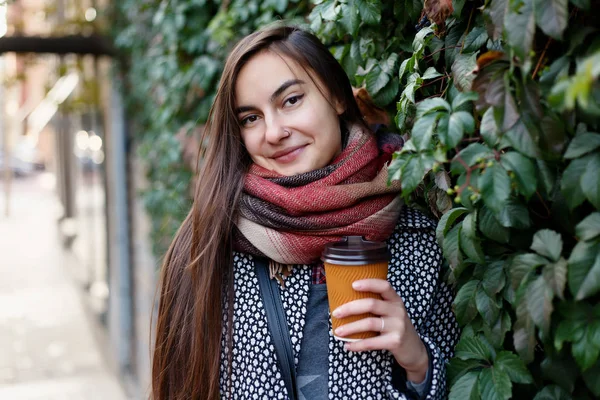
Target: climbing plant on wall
500,102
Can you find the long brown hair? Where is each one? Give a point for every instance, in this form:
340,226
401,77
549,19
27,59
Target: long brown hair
197,273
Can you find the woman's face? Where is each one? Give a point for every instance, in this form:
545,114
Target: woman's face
287,125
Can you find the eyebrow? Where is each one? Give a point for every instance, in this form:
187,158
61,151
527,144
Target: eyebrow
275,94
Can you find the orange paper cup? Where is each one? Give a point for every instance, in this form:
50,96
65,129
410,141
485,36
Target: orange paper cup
347,261
340,291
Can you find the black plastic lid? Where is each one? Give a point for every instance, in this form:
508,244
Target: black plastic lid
354,250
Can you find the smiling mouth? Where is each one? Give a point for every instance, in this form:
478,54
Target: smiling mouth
288,155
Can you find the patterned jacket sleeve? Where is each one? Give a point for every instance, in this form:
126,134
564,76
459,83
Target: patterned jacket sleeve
439,334
420,258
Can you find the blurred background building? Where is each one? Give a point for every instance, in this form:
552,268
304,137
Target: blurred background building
63,134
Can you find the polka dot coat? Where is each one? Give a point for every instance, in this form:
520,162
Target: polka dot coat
415,274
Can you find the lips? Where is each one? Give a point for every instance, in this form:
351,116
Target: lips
288,155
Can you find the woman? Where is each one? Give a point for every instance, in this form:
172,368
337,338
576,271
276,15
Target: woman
290,166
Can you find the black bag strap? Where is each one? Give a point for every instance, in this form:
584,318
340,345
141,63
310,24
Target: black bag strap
280,334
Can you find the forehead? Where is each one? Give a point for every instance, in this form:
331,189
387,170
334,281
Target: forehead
264,73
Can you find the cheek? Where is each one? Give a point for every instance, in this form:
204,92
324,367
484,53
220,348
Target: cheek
251,143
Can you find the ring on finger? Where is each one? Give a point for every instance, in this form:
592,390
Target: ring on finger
382,324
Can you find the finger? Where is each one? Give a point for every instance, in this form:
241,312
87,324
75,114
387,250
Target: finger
372,324
368,305
386,341
379,286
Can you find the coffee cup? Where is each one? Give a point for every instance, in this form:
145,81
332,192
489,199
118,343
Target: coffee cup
347,261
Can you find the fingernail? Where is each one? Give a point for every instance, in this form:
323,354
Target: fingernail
346,346
339,331
356,285
336,313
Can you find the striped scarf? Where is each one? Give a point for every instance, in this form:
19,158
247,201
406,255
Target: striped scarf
289,219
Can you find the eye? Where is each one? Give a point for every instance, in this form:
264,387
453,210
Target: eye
292,100
249,119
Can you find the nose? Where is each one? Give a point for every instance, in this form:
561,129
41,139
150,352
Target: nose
275,130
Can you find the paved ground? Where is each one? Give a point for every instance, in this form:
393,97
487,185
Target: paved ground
47,347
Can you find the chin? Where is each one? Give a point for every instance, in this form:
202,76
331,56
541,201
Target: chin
296,170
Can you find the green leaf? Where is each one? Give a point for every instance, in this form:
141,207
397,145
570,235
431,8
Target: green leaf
455,132
469,242
552,136
457,368
547,243
560,368
583,4
521,264
421,38
558,70
590,181
469,156
590,377
330,10
370,11
388,66
458,5
496,10
489,130
494,184
570,184
569,330
498,332
555,275
473,348
463,98
432,105
494,384
514,215
583,144
524,171
452,42
466,119
519,27
414,82
539,303
399,160
522,137
584,269
447,221
585,352
376,80
553,392
350,19
465,387
491,228
487,306
422,131
387,94
493,278
524,333
462,71
464,304
407,66
589,227
475,39
552,16
591,283
546,175
514,367
431,73
414,171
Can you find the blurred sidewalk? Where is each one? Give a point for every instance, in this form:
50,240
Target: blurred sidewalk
48,347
